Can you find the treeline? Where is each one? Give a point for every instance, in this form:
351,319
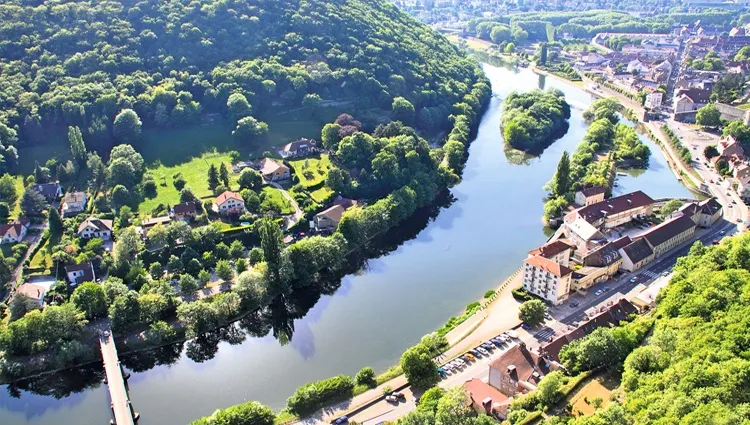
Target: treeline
698,350
605,135
532,121
171,62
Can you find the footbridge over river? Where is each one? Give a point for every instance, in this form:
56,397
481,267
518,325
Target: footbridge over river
122,410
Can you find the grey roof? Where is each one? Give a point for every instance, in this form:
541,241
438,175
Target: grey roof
710,206
638,250
48,190
669,229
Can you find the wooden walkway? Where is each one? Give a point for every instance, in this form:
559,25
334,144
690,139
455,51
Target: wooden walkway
122,410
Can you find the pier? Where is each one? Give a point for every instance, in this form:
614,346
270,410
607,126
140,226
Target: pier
122,410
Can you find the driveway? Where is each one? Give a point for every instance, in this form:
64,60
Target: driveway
289,221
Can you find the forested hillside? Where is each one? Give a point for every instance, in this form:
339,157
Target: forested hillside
79,63
695,368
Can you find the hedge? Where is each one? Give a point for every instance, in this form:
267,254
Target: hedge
315,395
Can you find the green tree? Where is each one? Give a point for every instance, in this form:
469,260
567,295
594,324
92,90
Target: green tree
77,145
8,193
238,106
56,225
549,390
127,246
198,317
32,203
20,304
224,174
708,116
213,177
224,271
419,368
453,408
510,48
188,284
248,413
204,276
366,377
671,206
272,244
236,249
329,136
156,270
250,179
403,110
710,151
160,332
429,400
90,299
127,126
249,129
532,312
125,312
562,176
739,131
543,54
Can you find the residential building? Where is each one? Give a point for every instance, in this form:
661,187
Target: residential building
272,170
297,148
729,146
546,279
559,251
669,234
609,316
51,191
653,100
229,203
487,400
79,273
704,213
185,211
742,171
13,232
517,371
148,223
94,227
73,203
33,292
691,99
636,66
584,235
743,189
328,219
615,211
590,195
636,255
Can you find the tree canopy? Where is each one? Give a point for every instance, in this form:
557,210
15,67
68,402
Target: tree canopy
531,121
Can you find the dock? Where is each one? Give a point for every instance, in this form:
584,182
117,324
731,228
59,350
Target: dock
122,410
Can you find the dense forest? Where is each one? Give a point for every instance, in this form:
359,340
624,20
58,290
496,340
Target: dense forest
532,121
172,62
546,26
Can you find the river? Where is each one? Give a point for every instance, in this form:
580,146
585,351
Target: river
447,261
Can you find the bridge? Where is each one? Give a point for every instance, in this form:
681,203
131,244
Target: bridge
122,410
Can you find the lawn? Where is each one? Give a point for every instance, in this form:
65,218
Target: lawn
321,194
42,254
16,210
195,173
600,387
275,195
311,171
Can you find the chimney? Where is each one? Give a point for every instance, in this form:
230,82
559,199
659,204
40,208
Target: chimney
487,404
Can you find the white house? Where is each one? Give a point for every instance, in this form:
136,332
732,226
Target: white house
636,66
79,273
653,100
94,227
12,233
547,279
229,203
273,170
74,203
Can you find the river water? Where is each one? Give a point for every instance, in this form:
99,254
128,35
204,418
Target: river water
442,263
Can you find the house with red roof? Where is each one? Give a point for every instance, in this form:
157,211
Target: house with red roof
229,203
15,231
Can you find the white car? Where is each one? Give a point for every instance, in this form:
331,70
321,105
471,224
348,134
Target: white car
483,351
460,362
599,292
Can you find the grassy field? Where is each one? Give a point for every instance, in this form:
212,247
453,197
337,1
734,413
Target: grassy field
16,210
311,171
321,194
276,195
600,387
195,173
42,254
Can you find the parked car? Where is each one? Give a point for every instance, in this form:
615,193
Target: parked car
526,326
391,399
470,356
597,293
448,367
547,316
475,352
483,351
441,372
497,341
574,304
488,345
633,279
739,220
398,395
342,420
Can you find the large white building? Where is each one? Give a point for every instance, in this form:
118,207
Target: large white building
546,273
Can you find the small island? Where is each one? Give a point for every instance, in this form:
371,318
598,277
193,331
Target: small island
532,121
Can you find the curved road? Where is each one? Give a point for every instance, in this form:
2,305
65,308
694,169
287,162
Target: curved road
298,214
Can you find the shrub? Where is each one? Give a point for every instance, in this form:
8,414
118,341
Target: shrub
366,376
489,294
314,395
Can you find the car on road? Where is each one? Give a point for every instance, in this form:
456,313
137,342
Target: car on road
483,351
398,395
475,352
633,279
734,201
391,399
597,293
547,316
470,356
722,232
665,273
739,220
574,304
342,420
